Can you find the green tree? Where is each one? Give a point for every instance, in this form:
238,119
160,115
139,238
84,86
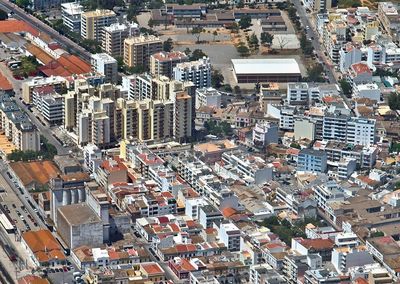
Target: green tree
197,54
267,38
197,31
187,51
377,234
23,3
245,22
394,147
217,79
102,4
150,23
253,41
227,88
394,101
234,28
242,49
215,33
156,4
3,15
240,4
292,13
295,145
138,69
346,87
168,45
237,90
306,45
121,64
134,9
315,73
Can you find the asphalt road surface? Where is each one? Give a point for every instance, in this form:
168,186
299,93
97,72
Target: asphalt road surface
20,14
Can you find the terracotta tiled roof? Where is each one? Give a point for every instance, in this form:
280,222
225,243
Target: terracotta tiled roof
317,244
360,68
44,246
32,279
152,268
16,26
5,85
228,212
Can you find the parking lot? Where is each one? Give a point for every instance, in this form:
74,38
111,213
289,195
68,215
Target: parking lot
15,209
63,274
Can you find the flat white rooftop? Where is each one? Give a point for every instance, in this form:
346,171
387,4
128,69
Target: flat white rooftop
266,66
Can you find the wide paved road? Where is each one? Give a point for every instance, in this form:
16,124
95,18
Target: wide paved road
39,25
319,49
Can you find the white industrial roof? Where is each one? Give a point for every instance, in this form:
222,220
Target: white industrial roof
266,66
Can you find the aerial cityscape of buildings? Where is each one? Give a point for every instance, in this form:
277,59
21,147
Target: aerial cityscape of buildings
203,142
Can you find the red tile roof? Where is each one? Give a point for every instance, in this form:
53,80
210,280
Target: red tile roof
5,85
16,26
32,279
152,268
360,68
317,244
43,245
228,212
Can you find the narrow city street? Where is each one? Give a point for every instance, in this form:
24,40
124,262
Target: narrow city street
44,130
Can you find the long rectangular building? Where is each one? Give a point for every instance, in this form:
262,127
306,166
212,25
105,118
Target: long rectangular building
266,70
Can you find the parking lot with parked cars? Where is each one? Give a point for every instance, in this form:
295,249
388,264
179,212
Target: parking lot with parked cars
23,221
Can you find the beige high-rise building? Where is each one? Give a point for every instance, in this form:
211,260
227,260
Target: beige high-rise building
147,120
93,22
58,82
163,63
137,50
183,116
70,110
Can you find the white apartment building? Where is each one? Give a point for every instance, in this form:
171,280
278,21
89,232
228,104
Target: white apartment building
287,117
383,55
345,167
50,107
361,131
334,36
112,41
353,130
318,5
349,55
197,72
297,93
140,87
326,193
229,234
208,97
106,65
369,91
71,16
92,157
252,169
265,134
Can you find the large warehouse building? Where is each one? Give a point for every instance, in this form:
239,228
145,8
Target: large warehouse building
266,70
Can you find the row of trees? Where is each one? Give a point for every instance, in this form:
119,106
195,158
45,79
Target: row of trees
306,45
